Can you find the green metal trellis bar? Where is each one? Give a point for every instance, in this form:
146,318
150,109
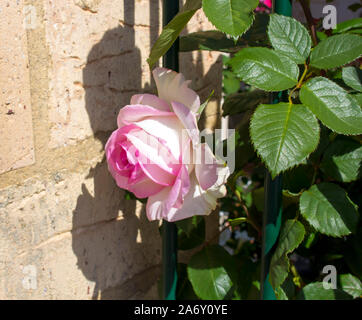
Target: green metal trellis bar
273,194
169,236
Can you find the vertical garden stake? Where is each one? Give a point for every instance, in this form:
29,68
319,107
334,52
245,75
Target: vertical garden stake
273,195
169,233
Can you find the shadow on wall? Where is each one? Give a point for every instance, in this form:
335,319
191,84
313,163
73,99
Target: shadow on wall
121,255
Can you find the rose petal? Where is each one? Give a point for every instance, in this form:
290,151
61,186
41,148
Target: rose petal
187,153
133,113
117,136
206,166
157,174
188,119
128,176
171,86
115,159
145,188
167,129
196,202
149,150
150,100
178,191
154,206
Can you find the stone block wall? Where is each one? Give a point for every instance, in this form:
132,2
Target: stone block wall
66,68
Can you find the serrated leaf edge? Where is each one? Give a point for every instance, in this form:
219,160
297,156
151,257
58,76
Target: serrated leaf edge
348,96
230,35
278,54
284,53
272,171
313,227
320,68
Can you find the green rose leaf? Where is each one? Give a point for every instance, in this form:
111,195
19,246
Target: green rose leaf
265,69
328,209
353,78
234,17
332,105
231,84
212,273
355,31
290,37
283,135
358,98
172,30
336,51
342,160
291,236
348,25
316,291
280,294
321,35
351,285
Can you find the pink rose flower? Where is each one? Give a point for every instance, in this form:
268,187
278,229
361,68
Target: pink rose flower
267,3
153,152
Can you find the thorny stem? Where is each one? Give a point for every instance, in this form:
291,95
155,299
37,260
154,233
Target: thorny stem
299,85
310,20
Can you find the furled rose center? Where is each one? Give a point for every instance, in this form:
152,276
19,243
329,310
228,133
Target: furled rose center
125,167
136,166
